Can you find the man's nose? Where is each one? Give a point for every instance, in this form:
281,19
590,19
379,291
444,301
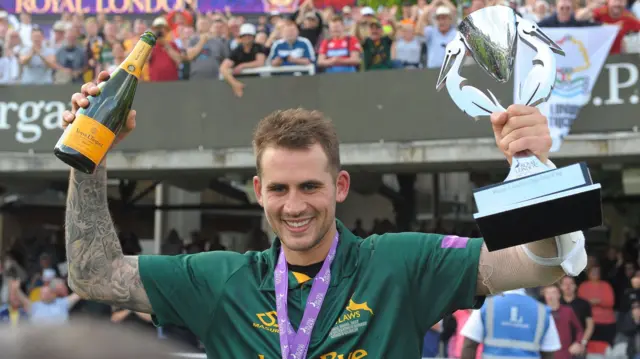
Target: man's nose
294,204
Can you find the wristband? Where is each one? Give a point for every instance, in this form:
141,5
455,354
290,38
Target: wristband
572,256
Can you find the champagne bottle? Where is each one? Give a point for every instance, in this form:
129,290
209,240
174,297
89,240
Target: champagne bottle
86,141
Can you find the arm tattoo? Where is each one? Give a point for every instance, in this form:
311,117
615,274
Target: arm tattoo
98,270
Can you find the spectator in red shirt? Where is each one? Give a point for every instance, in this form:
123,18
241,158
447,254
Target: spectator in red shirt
340,53
567,323
615,13
165,56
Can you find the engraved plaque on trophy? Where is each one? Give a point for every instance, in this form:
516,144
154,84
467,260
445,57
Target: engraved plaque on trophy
535,201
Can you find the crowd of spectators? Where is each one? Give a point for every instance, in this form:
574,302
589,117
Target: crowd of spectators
597,314
33,278
594,312
214,45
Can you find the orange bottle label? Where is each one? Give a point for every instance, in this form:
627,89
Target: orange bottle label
136,60
89,137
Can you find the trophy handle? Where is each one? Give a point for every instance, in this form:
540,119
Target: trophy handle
525,163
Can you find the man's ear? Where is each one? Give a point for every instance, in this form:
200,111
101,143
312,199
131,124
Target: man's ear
343,181
257,189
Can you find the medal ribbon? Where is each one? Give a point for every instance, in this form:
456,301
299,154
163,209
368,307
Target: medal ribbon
295,345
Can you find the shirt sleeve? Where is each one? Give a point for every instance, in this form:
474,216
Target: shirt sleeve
598,14
323,47
273,52
551,340
635,23
473,328
354,44
309,52
588,312
427,33
577,326
184,288
234,55
440,272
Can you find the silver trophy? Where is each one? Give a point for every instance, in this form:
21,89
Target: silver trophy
535,201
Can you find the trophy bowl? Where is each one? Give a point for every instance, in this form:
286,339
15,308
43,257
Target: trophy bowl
490,36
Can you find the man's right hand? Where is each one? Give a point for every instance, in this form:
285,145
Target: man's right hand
79,100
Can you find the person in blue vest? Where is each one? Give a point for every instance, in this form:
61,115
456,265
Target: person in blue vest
292,49
431,341
511,325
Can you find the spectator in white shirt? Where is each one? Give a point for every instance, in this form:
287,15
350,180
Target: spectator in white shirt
9,68
24,28
437,37
57,38
635,8
38,61
52,308
406,50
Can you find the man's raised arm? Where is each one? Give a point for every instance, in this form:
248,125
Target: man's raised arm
540,263
98,270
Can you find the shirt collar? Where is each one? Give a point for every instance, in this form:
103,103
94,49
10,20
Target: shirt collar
344,264
520,291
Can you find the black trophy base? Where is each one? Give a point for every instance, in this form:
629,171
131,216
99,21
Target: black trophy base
562,213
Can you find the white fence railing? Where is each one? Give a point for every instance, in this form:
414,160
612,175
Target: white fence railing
631,43
267,71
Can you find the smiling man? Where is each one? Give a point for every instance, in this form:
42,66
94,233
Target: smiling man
319,292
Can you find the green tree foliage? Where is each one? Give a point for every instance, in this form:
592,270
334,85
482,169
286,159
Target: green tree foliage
388,3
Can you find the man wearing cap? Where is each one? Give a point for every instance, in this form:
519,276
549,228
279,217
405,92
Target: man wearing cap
376,47
367,14
59,28
165,56
437,37
247,55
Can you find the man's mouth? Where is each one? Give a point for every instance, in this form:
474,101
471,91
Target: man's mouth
297,224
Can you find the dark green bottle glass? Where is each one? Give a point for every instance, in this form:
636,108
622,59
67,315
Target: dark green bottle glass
86,141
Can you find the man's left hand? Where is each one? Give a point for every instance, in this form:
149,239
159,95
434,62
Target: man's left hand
522,128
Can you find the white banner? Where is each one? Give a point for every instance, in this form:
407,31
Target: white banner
586,49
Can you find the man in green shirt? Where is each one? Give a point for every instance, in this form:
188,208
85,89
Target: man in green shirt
320,292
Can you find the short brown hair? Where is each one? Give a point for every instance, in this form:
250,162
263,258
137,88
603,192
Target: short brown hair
297,129
337,18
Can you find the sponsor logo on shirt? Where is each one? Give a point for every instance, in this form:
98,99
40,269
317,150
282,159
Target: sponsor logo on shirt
356,354
355,316
267,321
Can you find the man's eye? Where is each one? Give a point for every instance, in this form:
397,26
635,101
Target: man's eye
309,186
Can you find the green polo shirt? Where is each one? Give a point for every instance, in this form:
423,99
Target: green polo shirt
386,291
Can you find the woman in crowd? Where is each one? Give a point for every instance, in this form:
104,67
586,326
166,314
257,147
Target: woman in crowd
600,294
